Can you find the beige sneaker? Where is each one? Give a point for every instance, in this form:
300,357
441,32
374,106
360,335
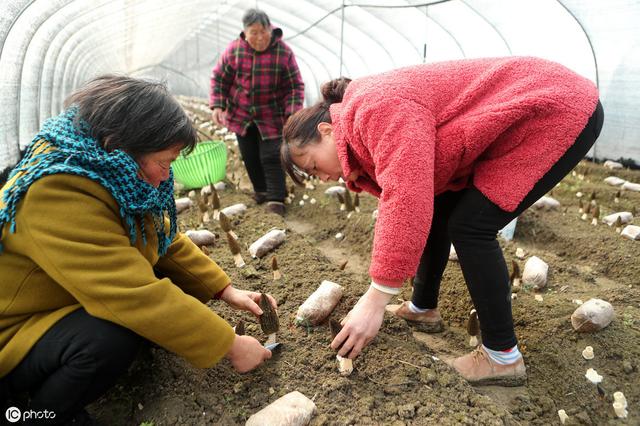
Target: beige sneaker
478,368
428,322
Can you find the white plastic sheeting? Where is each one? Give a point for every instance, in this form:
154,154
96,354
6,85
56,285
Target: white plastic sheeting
50,47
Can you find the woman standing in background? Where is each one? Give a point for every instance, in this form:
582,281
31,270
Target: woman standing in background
255,87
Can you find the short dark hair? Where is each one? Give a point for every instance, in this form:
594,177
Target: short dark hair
134,115
253,16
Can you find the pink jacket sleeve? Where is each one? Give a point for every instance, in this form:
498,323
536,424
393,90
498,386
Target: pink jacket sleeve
400,135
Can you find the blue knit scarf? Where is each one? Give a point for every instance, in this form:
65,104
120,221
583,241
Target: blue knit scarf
76,152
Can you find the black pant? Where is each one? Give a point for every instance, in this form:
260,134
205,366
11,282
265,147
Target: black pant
262,161
73,363
471,222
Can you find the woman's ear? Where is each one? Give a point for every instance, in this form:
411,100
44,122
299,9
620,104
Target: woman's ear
325,128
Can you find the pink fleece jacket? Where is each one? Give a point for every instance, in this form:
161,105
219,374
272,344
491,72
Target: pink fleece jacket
498,124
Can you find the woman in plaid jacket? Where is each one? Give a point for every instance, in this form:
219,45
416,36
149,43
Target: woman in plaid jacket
255,87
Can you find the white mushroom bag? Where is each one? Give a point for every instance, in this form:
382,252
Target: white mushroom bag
535,273
266,243
201,237
631,232
614,181
547,203
292,409
630,186
319,304
592,315
235,209
183,204
333,190
625,217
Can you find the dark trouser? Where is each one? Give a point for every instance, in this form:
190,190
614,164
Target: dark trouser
471,222
262,161
75,362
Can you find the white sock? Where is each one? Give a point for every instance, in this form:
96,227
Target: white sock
413,308
508,356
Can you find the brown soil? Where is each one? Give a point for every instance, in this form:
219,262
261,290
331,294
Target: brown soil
399,379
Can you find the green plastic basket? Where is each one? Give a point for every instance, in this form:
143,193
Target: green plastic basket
206,164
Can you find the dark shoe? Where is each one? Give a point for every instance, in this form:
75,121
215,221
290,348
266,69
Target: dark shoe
275,207
428,322
259,197
479,369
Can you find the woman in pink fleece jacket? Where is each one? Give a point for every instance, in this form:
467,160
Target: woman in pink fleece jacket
454,151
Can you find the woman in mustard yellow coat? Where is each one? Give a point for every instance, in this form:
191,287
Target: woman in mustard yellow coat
88,224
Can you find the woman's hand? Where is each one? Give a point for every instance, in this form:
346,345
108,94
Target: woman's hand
247,353
361,324
219,117
245,300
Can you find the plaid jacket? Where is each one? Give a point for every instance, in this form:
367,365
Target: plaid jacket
260,87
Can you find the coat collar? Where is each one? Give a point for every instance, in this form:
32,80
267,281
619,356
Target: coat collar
348,160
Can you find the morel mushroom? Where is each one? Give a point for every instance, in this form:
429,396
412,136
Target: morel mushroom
618,224
345,365
225,224
269,318
515,274
343,265
276,271
204,213
341,199
235,251
347,201
473,328
596,215
215,203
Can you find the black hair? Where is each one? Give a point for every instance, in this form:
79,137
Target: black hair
134,115
302,127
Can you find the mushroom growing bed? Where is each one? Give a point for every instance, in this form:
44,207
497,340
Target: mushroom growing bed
400,378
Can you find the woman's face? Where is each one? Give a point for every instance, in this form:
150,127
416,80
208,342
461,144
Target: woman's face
258,36
154,166
320,159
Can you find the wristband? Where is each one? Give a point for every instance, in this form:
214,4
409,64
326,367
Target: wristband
386,289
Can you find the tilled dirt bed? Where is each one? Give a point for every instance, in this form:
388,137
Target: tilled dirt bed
400,378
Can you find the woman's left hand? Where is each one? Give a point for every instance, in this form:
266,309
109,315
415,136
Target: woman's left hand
245,300
361,324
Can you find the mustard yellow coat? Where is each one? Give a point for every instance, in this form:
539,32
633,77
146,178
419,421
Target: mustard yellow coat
71,250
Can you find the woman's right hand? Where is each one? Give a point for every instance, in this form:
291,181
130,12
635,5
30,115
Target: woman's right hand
247,353
219,117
